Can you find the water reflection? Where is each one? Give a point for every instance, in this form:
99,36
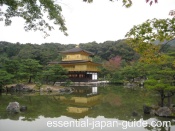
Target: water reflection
110,103
77,109
82,100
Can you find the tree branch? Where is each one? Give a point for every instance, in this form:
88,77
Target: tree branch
166,44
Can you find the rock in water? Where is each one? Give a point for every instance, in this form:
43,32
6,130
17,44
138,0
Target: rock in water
147,109
23,108
163,111
13,107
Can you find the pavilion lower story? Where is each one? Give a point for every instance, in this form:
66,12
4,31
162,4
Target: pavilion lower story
83,76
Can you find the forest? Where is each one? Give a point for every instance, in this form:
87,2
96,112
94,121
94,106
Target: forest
29,62
17,58
47,52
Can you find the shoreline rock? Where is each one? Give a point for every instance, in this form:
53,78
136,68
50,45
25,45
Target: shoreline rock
13,107
164,111
158,111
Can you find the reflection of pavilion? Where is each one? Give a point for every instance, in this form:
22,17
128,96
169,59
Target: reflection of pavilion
86,89
84,99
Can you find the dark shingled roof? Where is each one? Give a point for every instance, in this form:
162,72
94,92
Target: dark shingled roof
77,49
72,62
75,61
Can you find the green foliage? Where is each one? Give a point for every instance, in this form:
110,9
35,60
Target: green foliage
22,69
5,78
156,85
97,59
147,38
152,30
30,69
117,77
130,72
151,82
50,51
47,52
54,73
34,12
135,70
12,66
110,49
126,3
162,80
129,3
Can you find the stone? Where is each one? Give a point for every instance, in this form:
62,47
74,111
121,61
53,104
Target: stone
49,90
147,109
173,109
163,111
153,112
13,107
19,88
155,107
23,108
66,90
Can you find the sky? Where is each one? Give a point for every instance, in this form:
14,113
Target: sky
99,21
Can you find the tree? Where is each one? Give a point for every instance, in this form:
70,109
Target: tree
33,12
113,64
152,30
97,59
134,70
54,73
127,3
148,37
12,66
110,49
30,69
47,52
162,81
5,78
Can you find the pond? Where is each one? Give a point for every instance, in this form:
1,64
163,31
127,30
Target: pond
108,108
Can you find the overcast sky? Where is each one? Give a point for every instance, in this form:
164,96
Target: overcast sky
100,21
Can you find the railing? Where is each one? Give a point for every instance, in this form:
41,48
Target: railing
81,69
71,58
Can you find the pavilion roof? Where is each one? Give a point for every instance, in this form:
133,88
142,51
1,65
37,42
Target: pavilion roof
74,62
76,49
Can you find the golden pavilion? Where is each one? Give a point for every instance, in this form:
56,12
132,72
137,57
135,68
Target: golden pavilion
79,64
